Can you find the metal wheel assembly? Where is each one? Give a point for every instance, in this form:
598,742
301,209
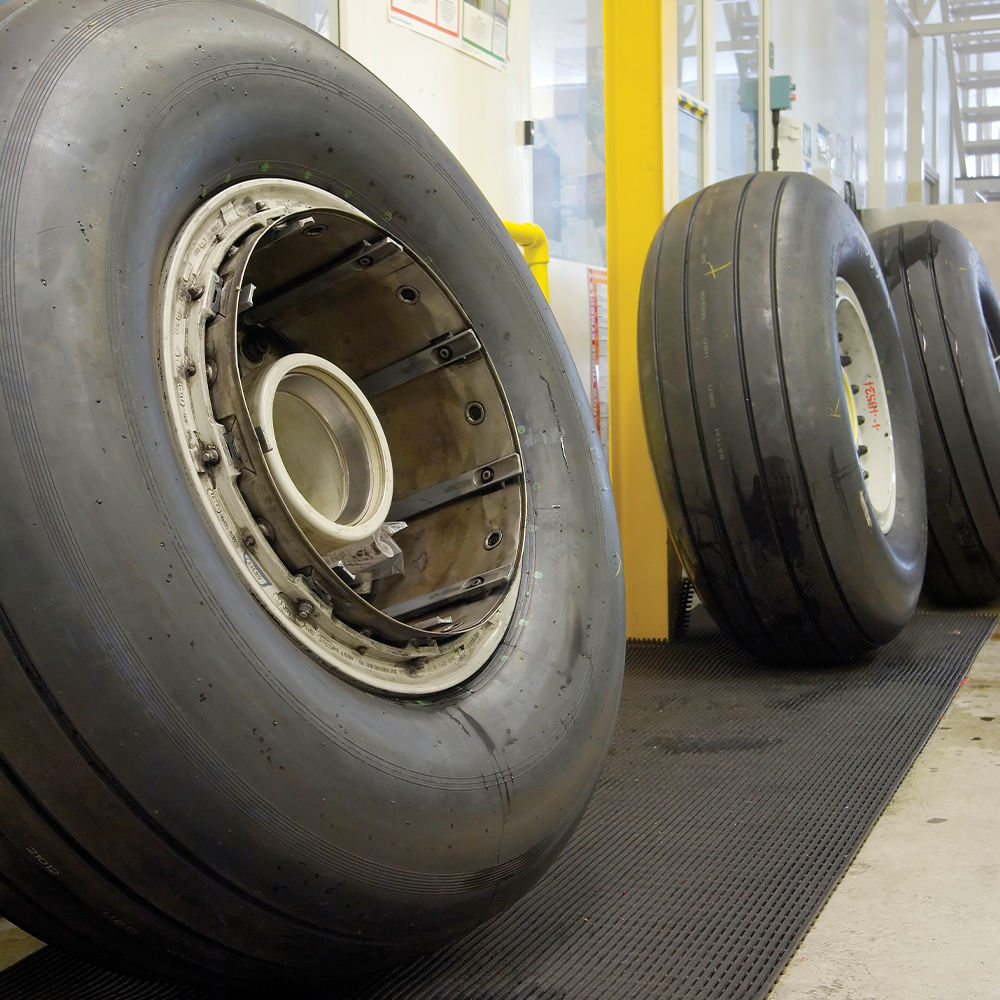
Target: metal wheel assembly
867,405
339,419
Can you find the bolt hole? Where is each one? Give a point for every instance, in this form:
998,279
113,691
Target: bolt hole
408,294
475,412
476,581
366,261
254,346
314,230
486,476
444,353
493,539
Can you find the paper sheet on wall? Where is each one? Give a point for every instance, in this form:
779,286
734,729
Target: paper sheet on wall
597,292
477,27
437,18
484,29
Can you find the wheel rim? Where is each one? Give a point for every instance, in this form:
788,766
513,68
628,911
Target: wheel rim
345,434
867,406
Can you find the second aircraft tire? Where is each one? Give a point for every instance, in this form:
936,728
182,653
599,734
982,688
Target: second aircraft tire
780,419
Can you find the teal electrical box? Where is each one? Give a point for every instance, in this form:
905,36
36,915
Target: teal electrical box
782,89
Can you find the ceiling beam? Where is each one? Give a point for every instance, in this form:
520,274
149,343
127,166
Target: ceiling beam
961,27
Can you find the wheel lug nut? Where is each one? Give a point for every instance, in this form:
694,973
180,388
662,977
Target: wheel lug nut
195,292
304,609
855,389
845,360
487,475
862,450
266,530
444,353
210,456
190,369
861,419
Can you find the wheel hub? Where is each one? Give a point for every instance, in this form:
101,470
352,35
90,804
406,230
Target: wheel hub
345,433
867,405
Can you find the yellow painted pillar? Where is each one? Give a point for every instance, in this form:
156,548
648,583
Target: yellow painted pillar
639,49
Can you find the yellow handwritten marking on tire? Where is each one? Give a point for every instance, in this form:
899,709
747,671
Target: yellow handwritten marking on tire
713,271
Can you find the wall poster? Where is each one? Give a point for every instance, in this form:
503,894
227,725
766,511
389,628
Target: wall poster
477,27
437,18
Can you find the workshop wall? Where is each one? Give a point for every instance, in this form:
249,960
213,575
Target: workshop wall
475,108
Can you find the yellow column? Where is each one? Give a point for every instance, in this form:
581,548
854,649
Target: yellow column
637,35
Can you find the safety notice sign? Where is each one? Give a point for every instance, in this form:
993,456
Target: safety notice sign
484,26
478,27
435,17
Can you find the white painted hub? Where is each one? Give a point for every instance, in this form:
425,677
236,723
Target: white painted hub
867,405
325,449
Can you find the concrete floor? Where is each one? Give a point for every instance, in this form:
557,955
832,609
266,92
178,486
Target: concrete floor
15,944
917,916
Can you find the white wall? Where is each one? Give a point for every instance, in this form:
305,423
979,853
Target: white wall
473,107
823,46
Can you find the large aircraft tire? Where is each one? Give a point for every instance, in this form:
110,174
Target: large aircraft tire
230,747
780,419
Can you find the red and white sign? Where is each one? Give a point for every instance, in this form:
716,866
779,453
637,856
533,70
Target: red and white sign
597,288
437,17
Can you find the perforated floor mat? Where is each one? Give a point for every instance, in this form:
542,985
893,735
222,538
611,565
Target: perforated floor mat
734,798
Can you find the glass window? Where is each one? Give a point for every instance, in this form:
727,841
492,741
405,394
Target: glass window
689,48
737,131
567,88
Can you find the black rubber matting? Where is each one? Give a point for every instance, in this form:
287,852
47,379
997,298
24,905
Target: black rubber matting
734,798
